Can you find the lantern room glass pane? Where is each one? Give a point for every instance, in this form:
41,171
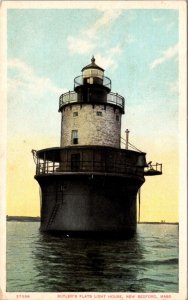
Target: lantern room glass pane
86,73
93,73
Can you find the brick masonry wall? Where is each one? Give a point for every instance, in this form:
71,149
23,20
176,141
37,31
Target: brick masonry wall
92,129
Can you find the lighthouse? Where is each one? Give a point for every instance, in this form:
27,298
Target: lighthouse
89,184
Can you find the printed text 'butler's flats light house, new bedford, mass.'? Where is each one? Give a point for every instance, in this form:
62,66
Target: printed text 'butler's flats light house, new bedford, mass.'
89,184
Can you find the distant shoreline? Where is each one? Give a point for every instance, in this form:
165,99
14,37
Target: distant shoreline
37,219
160,223
23,219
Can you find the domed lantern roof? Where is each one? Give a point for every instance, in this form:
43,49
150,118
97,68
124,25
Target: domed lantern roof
92,65
92,70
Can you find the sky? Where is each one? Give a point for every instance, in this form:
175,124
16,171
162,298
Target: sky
139,50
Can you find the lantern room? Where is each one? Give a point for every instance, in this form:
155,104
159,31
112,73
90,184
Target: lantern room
93,74
92,77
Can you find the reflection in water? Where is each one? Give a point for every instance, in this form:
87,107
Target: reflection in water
39,262
78,265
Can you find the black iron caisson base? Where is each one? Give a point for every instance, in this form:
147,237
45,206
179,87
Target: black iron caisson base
89,205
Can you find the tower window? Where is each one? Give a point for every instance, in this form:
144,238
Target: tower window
74,137
117,117
99,113
75,114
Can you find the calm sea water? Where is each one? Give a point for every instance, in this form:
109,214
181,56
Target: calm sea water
44,263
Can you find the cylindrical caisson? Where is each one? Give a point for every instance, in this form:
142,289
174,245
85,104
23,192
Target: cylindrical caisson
81,205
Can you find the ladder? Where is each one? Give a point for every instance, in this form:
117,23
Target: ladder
54,210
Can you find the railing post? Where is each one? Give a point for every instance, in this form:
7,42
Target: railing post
92,160
44,166
127,139
37,169
37,165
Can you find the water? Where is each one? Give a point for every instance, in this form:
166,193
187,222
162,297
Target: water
43,263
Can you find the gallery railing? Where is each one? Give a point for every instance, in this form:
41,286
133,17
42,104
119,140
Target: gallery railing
49,167
72,97
81,80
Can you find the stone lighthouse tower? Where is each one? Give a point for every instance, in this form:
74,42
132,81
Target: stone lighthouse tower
91,115
89,184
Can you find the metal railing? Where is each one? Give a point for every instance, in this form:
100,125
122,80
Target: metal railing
46,167
49,167
72,97
116,99
67,98
153,169
80,80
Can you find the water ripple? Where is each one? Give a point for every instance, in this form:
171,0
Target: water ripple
45,263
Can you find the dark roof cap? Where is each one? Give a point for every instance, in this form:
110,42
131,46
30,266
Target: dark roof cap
92,65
